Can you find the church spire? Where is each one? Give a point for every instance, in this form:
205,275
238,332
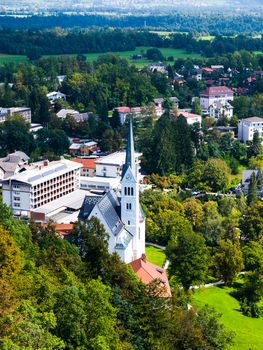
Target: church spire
130,158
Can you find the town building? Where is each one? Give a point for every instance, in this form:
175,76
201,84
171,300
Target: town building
121,214
196,74
148,272
191,118
159,102
88,166
247,127
215,95
40,185
221,110
6,113
79,117
84,148
12,164
56,95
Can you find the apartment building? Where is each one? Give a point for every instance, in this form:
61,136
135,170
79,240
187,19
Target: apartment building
24,112
42,184
215,95
247,127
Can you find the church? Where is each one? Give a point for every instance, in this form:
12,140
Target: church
121,213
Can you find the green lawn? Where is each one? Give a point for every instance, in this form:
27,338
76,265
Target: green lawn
155,255
249,331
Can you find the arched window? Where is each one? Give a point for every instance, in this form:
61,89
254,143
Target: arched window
125,191
131,191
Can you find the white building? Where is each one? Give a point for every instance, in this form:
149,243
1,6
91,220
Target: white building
191,118
44,183
247,128
6,113
219,110
56,95
215,94
122,215
13,163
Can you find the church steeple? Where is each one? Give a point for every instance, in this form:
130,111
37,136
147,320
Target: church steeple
130,157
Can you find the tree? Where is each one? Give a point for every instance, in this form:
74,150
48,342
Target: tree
154,54
256,148
15,135
228,260
188,257
101,318
252,190
252,222
196,109
92,241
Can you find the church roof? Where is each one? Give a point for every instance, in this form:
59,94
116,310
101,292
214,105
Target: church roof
108,206
87,206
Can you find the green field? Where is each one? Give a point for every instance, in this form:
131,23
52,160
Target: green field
155,255
249,331
12,58
125,54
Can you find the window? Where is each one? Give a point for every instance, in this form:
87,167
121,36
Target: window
131,191
17,205
128,206
129,222
16,186
17,198
125,191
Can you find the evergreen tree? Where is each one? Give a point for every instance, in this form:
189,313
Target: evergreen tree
252,190
196,107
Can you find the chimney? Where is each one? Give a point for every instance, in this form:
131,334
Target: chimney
143,258
46,162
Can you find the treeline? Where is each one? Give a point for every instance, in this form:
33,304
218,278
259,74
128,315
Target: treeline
59,295
219,24
37,43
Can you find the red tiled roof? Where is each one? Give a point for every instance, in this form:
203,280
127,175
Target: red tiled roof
206,69
147,272
88,163
61,228
216,90
189,115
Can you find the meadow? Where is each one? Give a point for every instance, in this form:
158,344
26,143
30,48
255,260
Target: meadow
249,331
167,52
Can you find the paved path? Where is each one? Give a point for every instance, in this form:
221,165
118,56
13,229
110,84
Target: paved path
208,285
155,245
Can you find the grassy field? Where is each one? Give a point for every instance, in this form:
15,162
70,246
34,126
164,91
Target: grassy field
12,58
249,331
125,54
155,255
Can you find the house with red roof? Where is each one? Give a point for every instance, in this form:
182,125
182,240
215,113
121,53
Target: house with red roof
148,272
89,166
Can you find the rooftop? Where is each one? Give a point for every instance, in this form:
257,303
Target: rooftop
215,90
40,172
116,158
148,272
189,115
253,120
86,162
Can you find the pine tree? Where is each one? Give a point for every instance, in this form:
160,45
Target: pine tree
252,190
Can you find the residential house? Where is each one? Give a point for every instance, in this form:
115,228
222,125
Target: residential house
124,112
83,148
88,166
247,127
12,164
79,117
219,110
159,102
56,95
191,118
196,74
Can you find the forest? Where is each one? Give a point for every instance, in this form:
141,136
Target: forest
34,44
215,24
